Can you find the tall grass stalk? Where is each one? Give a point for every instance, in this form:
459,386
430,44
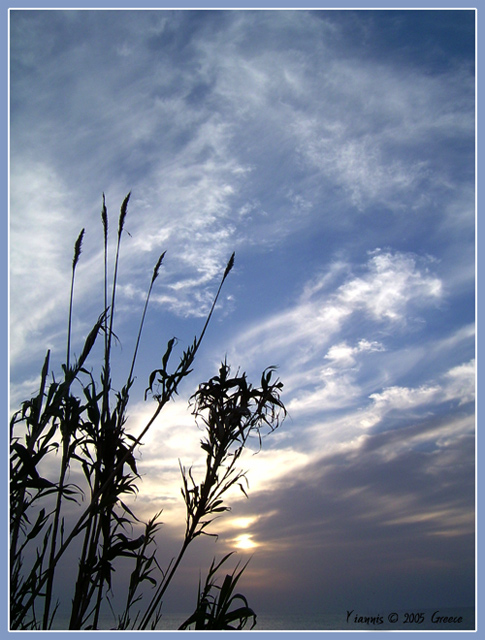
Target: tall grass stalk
66,441
104,220
75,260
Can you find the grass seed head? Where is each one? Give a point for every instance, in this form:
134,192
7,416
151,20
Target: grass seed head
104,218
123,212
157,267
230,265
77,249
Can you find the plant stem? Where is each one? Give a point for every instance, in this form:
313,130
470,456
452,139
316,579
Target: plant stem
77,253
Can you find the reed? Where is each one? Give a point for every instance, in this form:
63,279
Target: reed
79,422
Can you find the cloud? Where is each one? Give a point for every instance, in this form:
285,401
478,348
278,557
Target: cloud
223,114
375,153
334,385
457,385
343,356
389,288
174,440
355,499
38,254
361,512
400,399
394,283
462,382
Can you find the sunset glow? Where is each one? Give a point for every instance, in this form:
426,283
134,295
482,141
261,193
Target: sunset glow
245,541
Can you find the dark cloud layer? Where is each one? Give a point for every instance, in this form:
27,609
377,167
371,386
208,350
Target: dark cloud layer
370,529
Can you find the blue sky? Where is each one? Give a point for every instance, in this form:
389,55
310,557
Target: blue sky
334,152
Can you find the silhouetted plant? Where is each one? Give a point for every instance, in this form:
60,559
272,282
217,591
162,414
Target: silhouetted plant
214,610
86,429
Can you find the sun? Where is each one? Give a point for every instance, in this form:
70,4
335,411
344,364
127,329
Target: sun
244,541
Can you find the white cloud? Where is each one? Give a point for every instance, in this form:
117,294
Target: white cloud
401,399
360,166
390,287
456,385
338,391
40,258
343,355
392,283
370,117
461,382
337,387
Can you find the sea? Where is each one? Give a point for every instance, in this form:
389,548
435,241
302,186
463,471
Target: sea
444,619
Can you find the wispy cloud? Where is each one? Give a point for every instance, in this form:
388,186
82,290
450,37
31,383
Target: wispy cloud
455,386
199,137
390,289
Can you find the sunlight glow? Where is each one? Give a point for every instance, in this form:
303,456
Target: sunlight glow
244,541
243,523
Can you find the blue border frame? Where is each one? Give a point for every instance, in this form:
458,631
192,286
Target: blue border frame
216,4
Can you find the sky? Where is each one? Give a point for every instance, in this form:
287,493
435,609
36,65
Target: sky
334,153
